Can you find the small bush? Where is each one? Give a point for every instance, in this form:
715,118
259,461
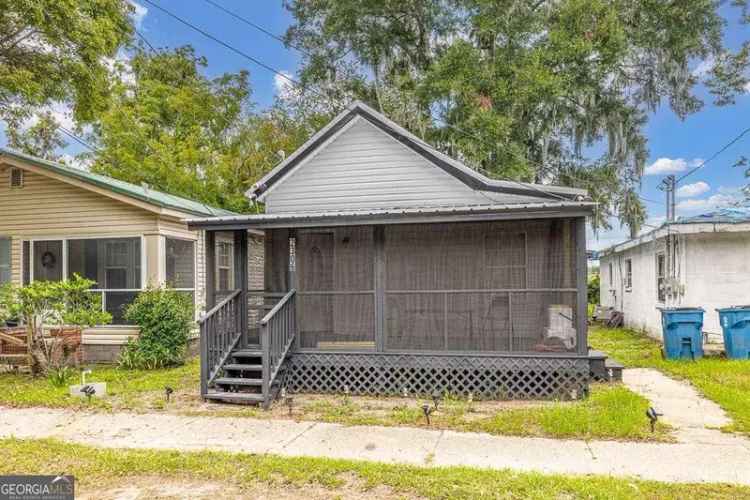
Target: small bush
165,318
593,288
59,376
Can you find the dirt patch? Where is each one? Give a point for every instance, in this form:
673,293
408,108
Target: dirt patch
141,488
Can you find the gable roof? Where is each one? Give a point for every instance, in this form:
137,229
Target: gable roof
465,174
141,193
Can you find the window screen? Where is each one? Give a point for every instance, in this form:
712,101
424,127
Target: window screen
481,286
336,296
5,261
180,263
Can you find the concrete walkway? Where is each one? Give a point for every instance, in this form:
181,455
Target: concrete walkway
695,418
725,460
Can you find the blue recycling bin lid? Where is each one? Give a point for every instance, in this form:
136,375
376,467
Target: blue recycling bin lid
681,309
733,308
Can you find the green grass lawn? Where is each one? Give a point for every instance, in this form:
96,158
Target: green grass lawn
97,470
727,382
126,389
611,411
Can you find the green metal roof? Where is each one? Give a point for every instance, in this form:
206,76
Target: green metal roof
142,193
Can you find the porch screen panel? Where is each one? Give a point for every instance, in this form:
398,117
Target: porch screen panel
460,286
336,291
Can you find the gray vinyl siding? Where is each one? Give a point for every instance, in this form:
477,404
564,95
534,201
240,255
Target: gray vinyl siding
365,168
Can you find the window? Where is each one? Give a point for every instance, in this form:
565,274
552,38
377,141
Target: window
628,274
114,264
224,265
16,178
5,262
180,266
661,274
611,275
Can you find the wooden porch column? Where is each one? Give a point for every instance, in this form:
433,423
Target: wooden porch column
210,268
241,280
582,285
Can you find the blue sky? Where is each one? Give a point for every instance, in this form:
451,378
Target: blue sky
675,145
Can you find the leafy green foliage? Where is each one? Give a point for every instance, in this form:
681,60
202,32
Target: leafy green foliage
56,51
41,139
51,303
594,283
173,128
525,89
59,376
164,317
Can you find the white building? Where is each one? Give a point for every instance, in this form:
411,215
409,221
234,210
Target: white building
701,261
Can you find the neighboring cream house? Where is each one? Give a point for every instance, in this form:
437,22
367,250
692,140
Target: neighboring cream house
701,261
57,220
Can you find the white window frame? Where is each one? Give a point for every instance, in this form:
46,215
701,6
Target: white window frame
229,267
628,275
662,255
195,269
65,240
10,256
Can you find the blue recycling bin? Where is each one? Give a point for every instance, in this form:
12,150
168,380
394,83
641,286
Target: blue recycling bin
735,321
682,328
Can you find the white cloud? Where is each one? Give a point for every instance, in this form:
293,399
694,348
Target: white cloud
692,190
747,87
712,202
119,66
139,13
283,84
671,165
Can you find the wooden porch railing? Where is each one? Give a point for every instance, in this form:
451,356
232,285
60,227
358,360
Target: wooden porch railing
220,330
277,331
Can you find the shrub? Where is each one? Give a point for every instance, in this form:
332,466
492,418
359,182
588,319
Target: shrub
165,318
593,289
59,376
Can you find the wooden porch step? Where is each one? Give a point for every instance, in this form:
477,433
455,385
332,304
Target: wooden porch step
235,396
247,353
239,381
240,366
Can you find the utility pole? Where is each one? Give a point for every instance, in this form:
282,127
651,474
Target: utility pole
668,186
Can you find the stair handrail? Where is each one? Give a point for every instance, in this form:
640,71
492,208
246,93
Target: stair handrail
278,329
220,330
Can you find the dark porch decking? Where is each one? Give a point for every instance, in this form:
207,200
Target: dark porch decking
363,310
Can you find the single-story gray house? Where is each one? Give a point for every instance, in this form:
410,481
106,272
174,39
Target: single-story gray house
701,261
391,268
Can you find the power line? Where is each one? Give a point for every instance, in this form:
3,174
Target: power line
726,146
291,80
145,40
258,27
234,49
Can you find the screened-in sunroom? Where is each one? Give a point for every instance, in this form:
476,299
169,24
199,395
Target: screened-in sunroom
389,268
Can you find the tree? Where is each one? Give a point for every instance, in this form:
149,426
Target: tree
524,89
41,139
51,304
56,51
173,128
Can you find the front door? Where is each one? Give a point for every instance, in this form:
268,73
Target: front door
47,260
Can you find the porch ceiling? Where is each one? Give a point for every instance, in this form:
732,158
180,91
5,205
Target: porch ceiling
397,216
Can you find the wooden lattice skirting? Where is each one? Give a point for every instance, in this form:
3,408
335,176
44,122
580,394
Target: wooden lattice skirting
482,377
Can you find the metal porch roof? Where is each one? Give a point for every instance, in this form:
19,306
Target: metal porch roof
404,215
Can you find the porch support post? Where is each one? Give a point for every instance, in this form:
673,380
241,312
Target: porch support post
241,281
210,268
379,240
582,284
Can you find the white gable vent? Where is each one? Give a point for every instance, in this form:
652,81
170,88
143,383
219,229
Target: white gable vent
16,178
